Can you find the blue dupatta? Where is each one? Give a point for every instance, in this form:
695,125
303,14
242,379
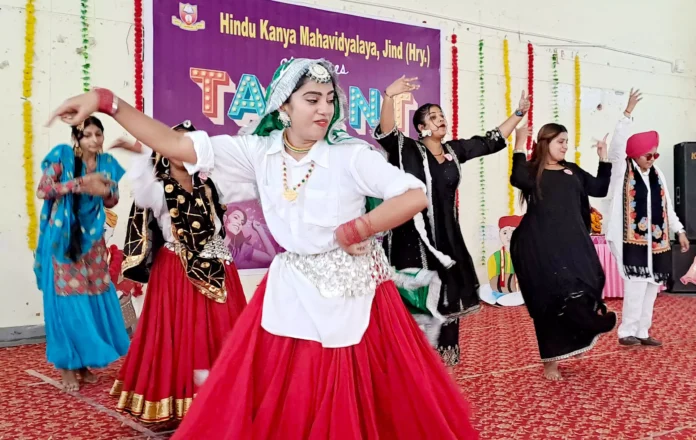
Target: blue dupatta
55,233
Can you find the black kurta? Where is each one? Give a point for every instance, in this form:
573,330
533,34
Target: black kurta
404,247
560,275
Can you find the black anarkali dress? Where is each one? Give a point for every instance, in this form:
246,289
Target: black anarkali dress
405,247
559,272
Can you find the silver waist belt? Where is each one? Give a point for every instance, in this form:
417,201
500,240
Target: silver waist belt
337,274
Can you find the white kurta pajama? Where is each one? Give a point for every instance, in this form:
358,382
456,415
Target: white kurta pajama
639,293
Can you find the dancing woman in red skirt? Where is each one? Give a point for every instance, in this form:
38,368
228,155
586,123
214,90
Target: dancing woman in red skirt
193,295
325,349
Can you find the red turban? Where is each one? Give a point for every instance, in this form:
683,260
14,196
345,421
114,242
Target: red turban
641,143
509,221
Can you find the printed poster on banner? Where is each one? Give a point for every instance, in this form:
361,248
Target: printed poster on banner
210,62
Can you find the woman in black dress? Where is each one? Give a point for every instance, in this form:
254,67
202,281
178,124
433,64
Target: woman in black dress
560,275
432,245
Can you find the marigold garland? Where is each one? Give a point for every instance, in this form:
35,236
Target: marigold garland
508,111
85,46
554,94
530,90
482,165
455,101
138,36
27,150
577,109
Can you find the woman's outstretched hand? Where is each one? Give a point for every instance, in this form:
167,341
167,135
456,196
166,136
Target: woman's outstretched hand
522,132
525,103
602,147
401,85
76,109
125,144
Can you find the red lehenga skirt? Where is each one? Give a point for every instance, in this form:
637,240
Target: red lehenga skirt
392,385
179,331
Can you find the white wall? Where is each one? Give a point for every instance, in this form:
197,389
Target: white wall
638,26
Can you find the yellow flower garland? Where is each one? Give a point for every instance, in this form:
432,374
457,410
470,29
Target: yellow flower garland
28,126
508,111
577,109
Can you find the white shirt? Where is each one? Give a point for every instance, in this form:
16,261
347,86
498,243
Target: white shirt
617,156
148,192
334,194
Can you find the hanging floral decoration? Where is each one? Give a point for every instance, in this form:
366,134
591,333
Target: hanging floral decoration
508,111
86,80
481,164
455,100
138,54
577,109
530,90
28,150
554,85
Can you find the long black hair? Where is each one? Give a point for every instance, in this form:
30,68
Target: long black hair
540,156
420,116
75,249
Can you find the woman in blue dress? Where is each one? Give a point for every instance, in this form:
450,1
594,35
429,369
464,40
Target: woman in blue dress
84,324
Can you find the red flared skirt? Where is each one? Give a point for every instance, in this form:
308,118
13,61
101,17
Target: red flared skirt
179,331
392,385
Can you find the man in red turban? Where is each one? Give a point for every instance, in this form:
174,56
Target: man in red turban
641,221
642,144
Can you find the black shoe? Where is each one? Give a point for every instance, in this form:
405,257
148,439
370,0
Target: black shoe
630,341
650,342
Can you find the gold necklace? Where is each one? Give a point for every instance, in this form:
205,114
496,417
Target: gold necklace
293,148
290,194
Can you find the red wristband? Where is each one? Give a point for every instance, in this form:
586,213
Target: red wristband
108,103
348,233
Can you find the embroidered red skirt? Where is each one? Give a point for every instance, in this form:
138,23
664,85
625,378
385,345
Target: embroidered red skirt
392,385
179,331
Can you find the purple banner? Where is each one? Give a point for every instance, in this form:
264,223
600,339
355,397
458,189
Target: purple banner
212,61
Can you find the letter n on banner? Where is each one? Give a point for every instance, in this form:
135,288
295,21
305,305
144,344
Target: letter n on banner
361,110
214,84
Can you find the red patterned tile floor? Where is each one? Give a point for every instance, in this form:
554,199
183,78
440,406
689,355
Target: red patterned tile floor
612,392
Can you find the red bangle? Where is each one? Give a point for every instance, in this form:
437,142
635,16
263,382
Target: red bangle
352,234
108,103
369,232
348,233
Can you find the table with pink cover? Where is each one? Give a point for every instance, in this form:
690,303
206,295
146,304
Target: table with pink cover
613,288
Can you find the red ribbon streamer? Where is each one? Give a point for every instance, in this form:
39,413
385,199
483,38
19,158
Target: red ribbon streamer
530,91
455,99
138,20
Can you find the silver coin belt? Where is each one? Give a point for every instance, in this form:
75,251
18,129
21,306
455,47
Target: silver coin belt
214,249
337,274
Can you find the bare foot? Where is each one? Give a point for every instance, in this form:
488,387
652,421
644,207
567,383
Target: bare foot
551,371
88,376
69,380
